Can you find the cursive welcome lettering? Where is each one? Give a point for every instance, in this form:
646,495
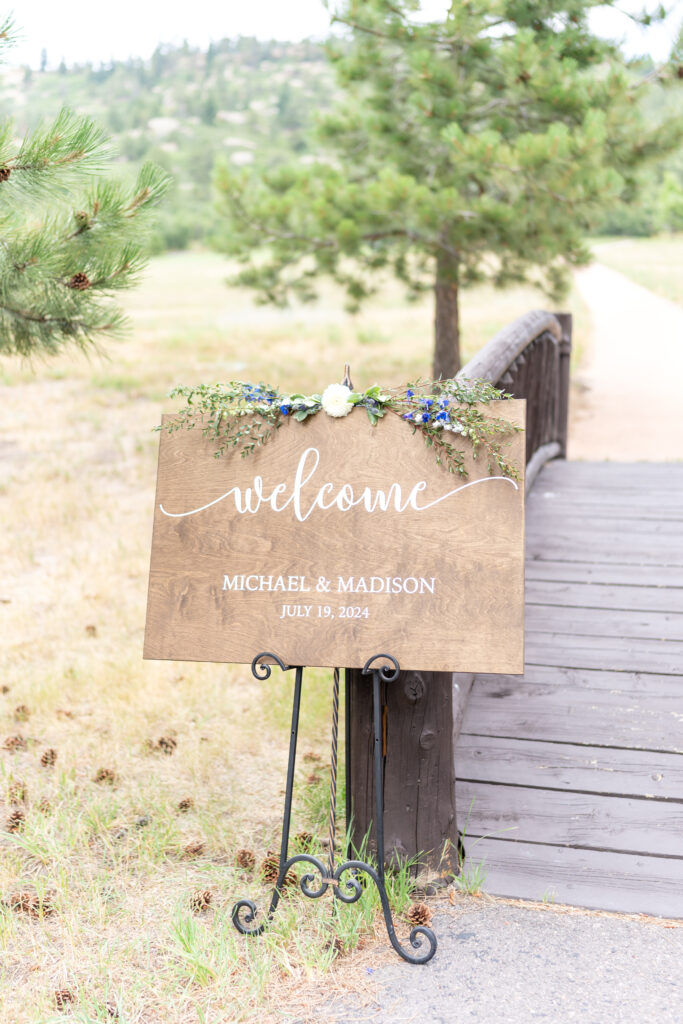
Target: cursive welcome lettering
328,495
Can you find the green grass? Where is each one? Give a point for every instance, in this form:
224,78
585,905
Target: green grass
654,263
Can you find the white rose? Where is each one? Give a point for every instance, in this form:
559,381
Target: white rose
336,400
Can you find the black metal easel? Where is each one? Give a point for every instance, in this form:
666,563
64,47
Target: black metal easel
350,889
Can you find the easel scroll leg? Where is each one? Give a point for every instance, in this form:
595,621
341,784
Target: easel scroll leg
261,669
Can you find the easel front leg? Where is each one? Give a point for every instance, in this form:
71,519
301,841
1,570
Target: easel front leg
261,670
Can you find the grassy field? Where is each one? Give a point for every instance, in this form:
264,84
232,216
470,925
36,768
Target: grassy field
655,263
107,859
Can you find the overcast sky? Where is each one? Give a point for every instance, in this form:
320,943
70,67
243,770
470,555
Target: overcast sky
96,31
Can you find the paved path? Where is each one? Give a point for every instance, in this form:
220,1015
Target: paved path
507,964
632,407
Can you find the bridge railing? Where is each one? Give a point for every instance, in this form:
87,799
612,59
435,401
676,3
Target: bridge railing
530,359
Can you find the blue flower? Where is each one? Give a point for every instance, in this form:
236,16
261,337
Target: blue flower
409,393
425,417
285,409
407,416
444,403
442,416
428,402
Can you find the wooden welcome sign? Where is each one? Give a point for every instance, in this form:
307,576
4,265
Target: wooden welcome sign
336,541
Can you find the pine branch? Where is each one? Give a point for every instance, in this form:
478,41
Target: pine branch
56,281
8,35
52,158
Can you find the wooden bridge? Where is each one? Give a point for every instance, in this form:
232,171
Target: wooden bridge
570,779
568,782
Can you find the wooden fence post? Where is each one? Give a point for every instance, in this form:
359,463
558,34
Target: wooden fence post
418,747
565,322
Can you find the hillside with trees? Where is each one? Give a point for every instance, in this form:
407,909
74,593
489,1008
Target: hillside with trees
246,103
241,100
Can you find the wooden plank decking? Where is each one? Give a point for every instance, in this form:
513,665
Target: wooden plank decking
570,778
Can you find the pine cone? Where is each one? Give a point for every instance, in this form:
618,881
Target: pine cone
419,913
167,744
195,849
48,903
17,793
186,804
107,775
15,742
246,860
313,779
4,173
48,757
304,839
79,282
22,902
4,688
112,1010
63,998
21,713
16,820
45,807
270,868
30,903
201,900
310,756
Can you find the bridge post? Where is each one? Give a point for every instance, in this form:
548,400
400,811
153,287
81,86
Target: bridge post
419,714
565,322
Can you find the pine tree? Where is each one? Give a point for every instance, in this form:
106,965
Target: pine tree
480,147
69,239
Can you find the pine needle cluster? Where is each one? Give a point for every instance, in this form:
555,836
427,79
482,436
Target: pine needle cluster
70,239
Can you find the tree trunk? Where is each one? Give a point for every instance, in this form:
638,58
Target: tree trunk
446,317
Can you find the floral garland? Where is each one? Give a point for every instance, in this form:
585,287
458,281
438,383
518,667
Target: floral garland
245,416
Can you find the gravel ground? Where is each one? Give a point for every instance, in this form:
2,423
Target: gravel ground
499,963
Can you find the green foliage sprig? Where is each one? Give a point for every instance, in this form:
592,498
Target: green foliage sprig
243,416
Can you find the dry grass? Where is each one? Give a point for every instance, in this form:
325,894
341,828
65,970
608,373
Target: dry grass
103,844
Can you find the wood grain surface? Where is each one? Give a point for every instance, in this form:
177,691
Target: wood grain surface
570,780
455,600
603,879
